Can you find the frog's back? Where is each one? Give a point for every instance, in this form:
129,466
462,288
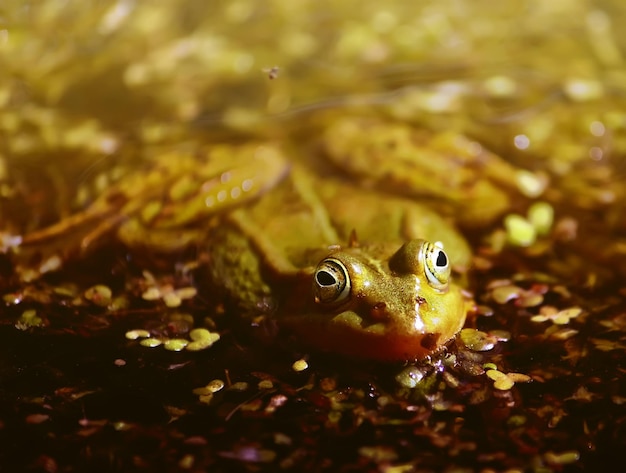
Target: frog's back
278,240
305,214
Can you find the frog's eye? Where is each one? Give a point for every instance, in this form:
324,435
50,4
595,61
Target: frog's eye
331,282
436,265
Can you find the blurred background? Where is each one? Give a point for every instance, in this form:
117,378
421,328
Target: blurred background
86,84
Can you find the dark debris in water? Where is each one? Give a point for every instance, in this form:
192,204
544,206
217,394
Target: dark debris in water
536,383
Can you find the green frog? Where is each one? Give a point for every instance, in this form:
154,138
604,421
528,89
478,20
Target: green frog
356,266
346,270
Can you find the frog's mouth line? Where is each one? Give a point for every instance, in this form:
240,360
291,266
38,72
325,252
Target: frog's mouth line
346,335
430,341
380,326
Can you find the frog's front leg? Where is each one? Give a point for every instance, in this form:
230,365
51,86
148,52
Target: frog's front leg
228,177
162,208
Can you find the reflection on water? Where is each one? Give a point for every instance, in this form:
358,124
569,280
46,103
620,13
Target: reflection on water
107,112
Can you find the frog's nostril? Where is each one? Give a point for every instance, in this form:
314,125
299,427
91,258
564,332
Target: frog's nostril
378,311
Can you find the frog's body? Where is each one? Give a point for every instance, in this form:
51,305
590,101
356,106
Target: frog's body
274,260
271,221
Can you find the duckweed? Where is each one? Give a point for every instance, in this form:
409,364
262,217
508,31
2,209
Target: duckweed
505,381
476,340
561,317
99,294
523,231
519,231
211,388
200,344
563,458
216,385
541,217
151,342
506,293
137,333
29,318
171,297
410,377
265,384
531,184
202,339
300,365
239,386
175,344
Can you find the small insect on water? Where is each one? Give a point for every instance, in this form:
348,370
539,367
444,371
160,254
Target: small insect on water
272,72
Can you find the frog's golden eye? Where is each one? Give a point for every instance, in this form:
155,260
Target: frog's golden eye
331,282
436,265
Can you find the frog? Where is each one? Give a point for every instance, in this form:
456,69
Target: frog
285,222
345,270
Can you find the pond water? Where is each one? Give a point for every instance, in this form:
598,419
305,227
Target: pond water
120,353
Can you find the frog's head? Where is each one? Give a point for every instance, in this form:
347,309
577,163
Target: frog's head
371,303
